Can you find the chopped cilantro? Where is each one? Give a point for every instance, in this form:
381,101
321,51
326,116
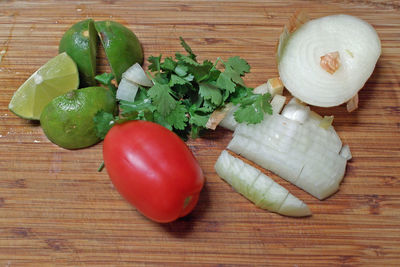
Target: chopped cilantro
186,92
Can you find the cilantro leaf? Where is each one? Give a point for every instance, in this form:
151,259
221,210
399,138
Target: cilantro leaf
181,70
162,99
155,63
224,82
106,79
186,59
177,117
187,48
168,65
103,122
210,92
175,79
198,117
235,76
252,108
239,65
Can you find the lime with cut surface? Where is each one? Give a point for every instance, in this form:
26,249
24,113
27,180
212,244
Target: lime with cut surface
68,119
58,76
121,45
80,43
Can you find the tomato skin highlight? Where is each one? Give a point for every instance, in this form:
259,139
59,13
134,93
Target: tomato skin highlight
153,169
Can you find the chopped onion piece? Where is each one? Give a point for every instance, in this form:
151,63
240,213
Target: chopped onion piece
274,86
345,152
217,116
277,103
326,122
258,187
229,121
352,104
261,89
137,75
127,90
296,111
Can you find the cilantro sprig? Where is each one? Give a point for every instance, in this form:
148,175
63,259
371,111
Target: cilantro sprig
186,92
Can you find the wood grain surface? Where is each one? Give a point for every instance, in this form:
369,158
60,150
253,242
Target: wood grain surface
57,210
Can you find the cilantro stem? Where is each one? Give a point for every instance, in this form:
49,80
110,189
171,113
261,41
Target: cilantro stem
101,167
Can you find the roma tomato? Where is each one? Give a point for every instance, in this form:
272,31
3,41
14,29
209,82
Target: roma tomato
153,169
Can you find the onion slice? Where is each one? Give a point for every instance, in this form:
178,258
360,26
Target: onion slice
326,61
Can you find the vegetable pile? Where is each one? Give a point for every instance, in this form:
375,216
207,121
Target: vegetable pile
323,62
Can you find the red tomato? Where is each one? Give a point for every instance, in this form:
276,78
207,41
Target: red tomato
153,169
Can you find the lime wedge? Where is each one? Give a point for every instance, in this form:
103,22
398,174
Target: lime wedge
58,76
80,43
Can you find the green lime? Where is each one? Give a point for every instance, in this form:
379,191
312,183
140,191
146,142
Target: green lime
121,45
80,43
68,119
58,76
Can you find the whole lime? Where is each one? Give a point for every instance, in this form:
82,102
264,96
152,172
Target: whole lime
121,45
80,43
68,119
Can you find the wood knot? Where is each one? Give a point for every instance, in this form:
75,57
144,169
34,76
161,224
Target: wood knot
55,244
19,183
21,231
374,204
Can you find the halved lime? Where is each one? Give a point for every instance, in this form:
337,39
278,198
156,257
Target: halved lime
121,45
80,43
58,76
68,119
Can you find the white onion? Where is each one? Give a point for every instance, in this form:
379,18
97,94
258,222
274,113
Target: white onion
137,75
127,90
299,57
258,187
277,103
302,153
345,152
229,121
295,111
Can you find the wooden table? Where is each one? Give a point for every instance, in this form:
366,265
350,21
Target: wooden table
57,210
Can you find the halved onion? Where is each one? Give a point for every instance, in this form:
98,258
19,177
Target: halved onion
326,61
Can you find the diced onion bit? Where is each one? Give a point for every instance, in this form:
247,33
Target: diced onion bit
352,104
258,187
217,116
326,122
330,62
136,74
326,61
277,103
127,90
229,121
274,86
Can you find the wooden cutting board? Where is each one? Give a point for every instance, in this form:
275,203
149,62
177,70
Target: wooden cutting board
57,210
